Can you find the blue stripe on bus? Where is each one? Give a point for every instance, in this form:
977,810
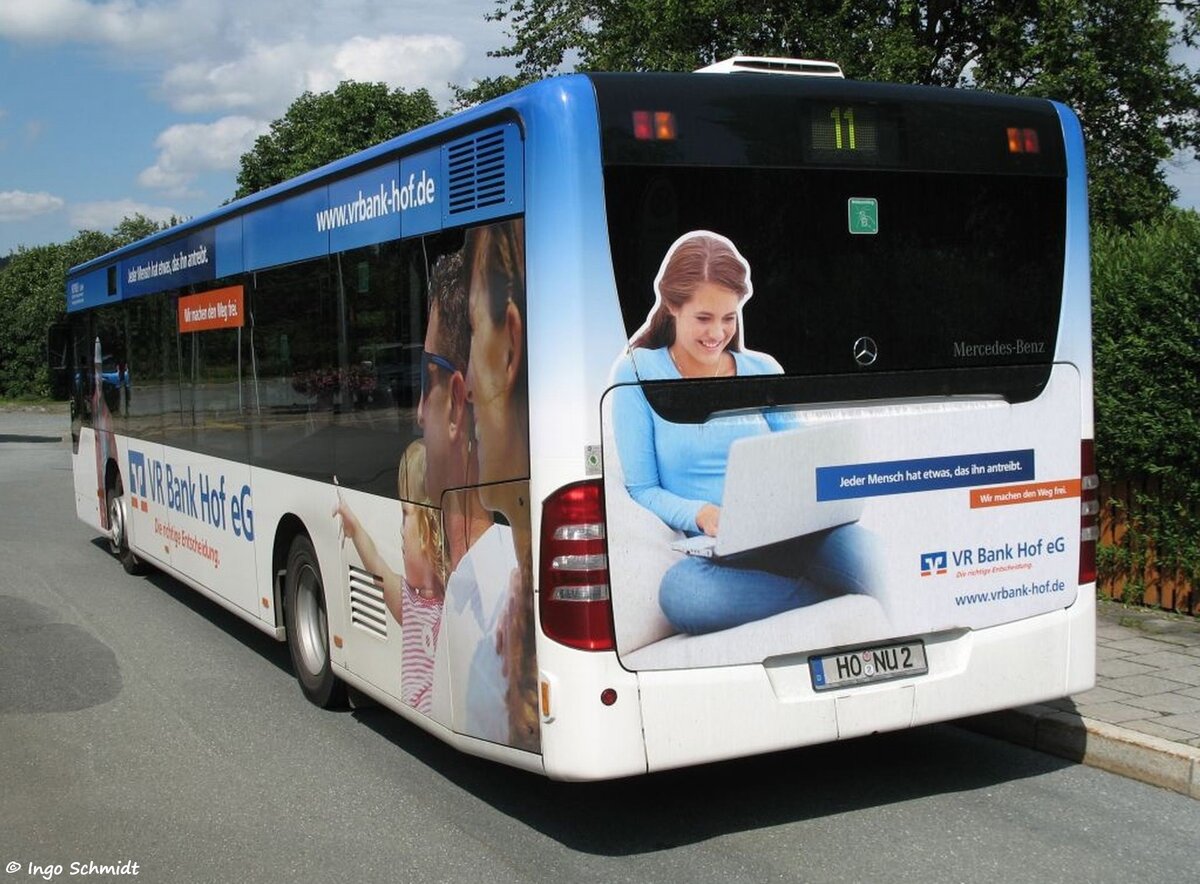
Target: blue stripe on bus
183,261
230,260
285,231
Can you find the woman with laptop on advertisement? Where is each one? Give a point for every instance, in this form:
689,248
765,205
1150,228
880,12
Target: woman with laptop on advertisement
677,471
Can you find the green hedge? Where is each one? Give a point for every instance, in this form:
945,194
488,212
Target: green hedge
1146,324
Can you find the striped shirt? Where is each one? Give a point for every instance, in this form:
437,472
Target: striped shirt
419,634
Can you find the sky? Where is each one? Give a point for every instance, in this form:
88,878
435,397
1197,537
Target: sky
111,107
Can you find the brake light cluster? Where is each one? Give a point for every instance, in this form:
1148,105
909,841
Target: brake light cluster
654,125
1089,512
574,600
1023,141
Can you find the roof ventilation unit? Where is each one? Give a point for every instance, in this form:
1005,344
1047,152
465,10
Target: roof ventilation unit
795,67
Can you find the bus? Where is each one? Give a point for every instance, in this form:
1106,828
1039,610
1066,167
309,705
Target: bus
628,421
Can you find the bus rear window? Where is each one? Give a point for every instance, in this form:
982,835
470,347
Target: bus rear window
940,270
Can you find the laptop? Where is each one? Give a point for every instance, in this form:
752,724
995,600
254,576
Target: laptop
770,492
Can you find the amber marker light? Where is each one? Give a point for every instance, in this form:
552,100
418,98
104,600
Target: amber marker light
1023,141
664,125
654,125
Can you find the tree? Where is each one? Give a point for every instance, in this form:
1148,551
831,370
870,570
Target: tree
137,226
1188,12
319,128
33,297
1108,59
487,88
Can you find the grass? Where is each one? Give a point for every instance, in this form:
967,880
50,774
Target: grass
31,403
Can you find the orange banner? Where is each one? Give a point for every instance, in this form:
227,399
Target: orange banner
220,308
1033,492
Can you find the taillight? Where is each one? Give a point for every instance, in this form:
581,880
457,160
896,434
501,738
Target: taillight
654,125
573,597
1089,512
1023,141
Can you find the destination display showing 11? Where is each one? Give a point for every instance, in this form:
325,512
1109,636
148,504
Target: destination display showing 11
851,133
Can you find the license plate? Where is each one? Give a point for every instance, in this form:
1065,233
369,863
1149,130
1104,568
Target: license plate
867,665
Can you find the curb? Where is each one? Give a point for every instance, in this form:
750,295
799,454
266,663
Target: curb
1095,743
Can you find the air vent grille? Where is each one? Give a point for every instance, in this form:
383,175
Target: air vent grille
367,609
477,172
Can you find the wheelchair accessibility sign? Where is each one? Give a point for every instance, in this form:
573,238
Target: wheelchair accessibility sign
864,215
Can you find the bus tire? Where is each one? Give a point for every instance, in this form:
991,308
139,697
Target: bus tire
118,537
308,627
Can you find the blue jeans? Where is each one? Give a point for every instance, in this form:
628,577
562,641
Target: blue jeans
701,595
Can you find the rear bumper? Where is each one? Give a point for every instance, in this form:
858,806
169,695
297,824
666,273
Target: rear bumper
702,715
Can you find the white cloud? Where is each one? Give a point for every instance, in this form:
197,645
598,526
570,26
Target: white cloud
215,57
206,27
108,214
266,78
247,60
39,19
427,60
18,205
187,149
118,23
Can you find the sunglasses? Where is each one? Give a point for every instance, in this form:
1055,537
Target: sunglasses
428,359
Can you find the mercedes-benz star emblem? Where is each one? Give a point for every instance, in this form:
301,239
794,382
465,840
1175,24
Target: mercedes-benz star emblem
866,351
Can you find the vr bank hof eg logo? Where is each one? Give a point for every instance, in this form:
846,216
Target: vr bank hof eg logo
933,563
137,481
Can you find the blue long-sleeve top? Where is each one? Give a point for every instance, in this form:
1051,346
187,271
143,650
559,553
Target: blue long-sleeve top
675,469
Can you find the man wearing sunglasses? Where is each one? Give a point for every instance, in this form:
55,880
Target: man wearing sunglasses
443,413
479,554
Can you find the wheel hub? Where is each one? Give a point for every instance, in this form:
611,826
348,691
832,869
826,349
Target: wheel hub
116,521
310,621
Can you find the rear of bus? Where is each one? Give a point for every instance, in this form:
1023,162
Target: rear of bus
920,323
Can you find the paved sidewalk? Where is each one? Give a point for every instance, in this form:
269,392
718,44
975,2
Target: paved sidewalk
1142,719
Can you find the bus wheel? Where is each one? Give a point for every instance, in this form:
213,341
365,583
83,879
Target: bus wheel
118,539
308,627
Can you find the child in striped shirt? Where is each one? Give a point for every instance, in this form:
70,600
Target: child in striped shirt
415,599
423,588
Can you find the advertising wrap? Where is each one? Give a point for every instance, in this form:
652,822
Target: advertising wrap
771,532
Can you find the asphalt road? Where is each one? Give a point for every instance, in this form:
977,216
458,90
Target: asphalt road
139,723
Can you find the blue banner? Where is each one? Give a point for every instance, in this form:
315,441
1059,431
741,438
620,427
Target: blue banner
286,231
420,179
180,262
363,209
924,474
229,248
89,290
